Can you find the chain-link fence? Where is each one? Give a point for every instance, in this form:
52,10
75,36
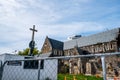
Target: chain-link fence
30,70
79,67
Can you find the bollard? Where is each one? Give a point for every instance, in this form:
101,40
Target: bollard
65,78
74,78
116,78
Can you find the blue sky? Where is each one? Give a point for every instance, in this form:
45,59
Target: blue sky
57,19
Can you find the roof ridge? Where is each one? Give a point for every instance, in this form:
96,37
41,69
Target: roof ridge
105,36
55,40
100,33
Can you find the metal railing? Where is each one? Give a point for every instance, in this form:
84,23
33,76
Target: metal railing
47,68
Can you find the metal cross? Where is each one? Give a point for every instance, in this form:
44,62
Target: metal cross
33,32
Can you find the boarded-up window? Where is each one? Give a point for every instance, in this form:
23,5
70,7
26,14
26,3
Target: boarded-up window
33,64
30,64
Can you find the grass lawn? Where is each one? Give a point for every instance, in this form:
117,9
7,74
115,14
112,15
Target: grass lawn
77,77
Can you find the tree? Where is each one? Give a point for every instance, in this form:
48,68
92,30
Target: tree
26,51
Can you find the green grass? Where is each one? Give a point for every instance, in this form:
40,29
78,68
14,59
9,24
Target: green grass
78,77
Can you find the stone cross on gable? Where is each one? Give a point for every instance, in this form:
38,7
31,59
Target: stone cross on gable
33,32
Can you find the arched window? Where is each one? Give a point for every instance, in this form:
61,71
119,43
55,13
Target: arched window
55,52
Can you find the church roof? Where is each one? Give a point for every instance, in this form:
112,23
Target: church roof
56,44
106,36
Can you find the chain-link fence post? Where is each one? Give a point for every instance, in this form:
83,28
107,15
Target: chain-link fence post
1,70
39,62
103,67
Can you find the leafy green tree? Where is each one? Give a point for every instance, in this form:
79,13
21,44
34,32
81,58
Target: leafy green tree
26,52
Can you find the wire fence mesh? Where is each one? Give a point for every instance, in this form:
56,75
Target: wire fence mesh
65,68
30,70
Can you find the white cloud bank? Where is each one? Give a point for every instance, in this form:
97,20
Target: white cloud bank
17,16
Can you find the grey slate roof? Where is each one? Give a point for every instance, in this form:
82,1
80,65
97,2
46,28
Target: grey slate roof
92,39
56,44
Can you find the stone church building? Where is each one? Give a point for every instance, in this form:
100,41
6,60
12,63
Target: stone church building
103,42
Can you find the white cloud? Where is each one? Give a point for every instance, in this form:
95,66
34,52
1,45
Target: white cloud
71,28
26,12
20,39
5,50
16,16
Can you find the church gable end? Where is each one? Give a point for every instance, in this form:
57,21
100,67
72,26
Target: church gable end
46,46
53,46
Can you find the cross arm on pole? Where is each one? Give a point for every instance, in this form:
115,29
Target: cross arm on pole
33,32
